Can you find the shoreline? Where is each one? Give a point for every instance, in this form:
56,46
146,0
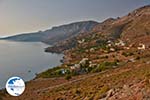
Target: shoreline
40,71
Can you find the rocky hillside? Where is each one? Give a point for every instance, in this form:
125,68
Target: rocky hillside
55,34
130,28
128,79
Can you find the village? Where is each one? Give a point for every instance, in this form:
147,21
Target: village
113,55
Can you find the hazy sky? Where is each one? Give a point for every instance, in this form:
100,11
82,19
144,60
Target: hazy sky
17,16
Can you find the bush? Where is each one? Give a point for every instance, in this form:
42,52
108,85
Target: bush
137,58
110,63
74,73
68,77
58,72
68,71
116,60
89,69
104,57
126,54
53,72
101,93
97,57
103,66
99,68
81,50
104,89
130,53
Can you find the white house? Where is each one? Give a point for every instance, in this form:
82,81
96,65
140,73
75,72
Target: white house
112,49
141,46
81,41
120,43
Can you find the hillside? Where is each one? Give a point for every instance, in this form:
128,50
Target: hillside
133,26
28,37
110,62
55,34
128,82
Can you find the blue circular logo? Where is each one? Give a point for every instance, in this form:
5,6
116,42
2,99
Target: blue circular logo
15,86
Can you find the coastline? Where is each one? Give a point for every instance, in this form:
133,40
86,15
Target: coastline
44,69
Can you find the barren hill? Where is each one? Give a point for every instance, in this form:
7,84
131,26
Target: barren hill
130,28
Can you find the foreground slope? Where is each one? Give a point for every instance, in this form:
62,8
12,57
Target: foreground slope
127,82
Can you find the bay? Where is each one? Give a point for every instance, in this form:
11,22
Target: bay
24,59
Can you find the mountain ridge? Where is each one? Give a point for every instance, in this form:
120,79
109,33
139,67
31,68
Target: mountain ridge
54,34
127,28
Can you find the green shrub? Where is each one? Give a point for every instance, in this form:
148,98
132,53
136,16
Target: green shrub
103,66
58,72
101,93
97,57
99,68
130,53
53,72
68,77
74,73
89,69
126,54
104,89
106,56
137,58
116,60
81,50
110,63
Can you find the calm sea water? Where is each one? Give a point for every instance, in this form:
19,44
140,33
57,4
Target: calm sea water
24,59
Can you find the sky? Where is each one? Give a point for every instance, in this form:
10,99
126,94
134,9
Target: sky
21,16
